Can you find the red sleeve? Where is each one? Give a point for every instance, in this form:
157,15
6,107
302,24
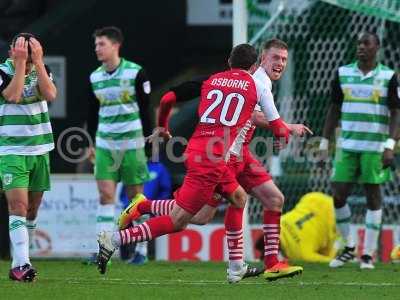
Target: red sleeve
280,129
167,102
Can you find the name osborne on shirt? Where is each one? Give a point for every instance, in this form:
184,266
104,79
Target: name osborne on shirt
233,83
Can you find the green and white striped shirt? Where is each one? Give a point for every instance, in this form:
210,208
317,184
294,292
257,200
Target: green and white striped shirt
25,127
365,103
120,127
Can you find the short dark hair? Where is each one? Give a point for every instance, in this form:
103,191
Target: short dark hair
111,32
25,35
242,56
373,34
275,43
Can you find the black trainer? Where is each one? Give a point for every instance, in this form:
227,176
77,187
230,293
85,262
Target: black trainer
253,272
345,256
106,250
366,262
23,273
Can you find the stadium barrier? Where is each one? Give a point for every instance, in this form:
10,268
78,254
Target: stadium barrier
67,222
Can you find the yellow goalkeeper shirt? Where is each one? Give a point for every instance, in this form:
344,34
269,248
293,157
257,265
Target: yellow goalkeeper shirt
308,232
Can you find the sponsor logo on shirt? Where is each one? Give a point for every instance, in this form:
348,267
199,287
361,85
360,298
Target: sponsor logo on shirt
363,93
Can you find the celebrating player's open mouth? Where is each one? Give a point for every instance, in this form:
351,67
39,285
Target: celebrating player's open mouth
277,71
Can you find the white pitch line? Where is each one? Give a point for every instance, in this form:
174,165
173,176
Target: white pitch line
244,282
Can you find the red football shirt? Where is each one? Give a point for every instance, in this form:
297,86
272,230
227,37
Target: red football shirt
227,102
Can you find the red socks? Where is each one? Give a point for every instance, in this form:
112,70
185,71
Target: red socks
234,233
271,229
147,231
156,207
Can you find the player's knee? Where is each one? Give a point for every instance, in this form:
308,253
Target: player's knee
201,219
279,200
17,207
239,198
274,202
32,212
180,224
133,191
106,196
374,203
180,219
374,199
240,201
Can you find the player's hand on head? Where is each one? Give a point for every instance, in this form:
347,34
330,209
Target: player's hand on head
159,134
36,51
299,129
388,158
19,52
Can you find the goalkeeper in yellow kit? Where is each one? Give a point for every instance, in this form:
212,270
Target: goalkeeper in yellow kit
308,232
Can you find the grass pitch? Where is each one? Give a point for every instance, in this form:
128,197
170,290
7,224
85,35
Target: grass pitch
161,280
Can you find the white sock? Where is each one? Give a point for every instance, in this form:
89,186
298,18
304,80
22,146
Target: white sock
343,215
19,241
141,247
235,265
373,220
31,226
116,239
105,218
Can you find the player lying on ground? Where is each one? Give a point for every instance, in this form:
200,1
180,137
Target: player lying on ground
308,231
248,171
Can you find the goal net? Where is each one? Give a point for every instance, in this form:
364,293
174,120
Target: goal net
321,37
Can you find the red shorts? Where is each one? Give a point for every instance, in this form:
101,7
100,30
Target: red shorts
202,177
252,173
248,171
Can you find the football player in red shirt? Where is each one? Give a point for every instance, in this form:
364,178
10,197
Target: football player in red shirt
250,174
227,102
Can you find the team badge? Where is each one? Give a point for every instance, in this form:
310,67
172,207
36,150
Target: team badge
125,96
7,179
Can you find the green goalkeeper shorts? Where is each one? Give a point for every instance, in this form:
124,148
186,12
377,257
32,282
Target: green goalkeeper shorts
129,166
25,171
359,167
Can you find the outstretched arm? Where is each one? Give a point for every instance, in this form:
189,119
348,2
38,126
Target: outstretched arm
259,120
279,128
181,93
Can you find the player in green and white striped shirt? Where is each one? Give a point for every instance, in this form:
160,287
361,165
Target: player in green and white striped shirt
121,89
365,98
25,139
